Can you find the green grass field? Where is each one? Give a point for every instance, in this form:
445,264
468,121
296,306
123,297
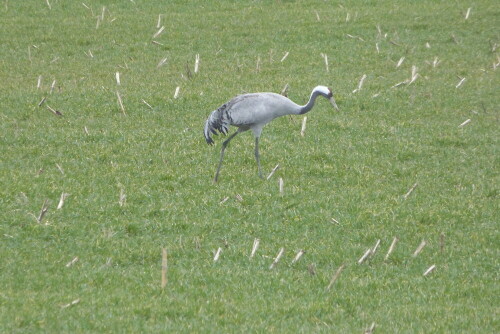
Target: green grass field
140,179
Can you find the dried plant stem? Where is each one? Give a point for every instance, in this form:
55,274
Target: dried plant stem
360,84
365,256
419,248
465,123
158,23
298,256
435,62
429,270
74,302
325,57
284,91
162,62
123,197
400,84
144,101
400,62
284,57
278,257
391,248
312,269
355,37
370,329
374,249
254,247
72,262
273,171
467,13
303,129
42,101
414,74
52,86
217,254
335,277
158,33
410,191
164,264
441,242
196,63
120,103
61,200
43,211
55,112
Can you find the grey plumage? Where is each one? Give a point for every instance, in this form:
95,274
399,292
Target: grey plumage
253,112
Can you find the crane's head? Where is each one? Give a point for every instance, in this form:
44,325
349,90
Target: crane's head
327,93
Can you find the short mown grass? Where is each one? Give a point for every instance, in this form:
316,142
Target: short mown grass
141,179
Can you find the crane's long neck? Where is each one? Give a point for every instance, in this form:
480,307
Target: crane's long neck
306,108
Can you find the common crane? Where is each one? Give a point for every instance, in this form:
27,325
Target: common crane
253,112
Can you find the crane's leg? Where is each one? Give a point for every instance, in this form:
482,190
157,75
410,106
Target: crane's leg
257,156
224,144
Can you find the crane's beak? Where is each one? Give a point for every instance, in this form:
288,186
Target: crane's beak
332,101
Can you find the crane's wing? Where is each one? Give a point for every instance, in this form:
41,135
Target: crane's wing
220,119
217,121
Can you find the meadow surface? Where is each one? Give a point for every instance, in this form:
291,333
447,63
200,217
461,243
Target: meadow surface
412,154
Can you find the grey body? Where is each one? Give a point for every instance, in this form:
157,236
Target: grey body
253,112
